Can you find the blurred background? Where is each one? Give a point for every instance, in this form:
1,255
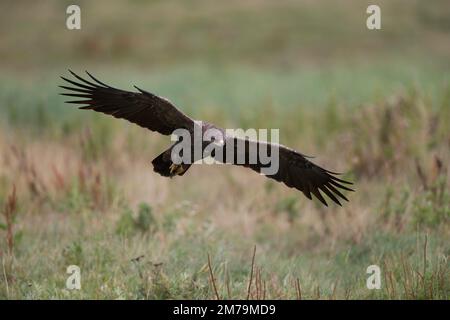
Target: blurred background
78,188
232,54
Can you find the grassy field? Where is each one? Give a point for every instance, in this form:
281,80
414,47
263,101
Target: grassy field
78,187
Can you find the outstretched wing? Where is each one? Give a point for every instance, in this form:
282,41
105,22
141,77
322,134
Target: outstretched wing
294,170
142,108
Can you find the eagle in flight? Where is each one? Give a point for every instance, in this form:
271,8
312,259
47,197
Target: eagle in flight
159,114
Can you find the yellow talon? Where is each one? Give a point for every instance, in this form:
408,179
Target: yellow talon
176,169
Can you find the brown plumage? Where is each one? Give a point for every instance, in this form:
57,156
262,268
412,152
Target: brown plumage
158,114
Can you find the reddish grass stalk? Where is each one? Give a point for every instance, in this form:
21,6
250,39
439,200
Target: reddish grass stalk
251,274
333,294
59,180
213,281
264,290
227,283
425,263
9,212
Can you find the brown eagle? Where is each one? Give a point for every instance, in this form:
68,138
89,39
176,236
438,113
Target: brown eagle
159,114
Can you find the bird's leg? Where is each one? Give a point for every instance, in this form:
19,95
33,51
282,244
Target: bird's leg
172,169
176,169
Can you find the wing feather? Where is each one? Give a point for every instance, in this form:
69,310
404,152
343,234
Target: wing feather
142,108
298,172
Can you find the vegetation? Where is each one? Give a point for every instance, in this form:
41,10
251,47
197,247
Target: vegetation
78,187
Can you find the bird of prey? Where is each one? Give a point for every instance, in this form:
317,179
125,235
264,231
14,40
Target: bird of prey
159,114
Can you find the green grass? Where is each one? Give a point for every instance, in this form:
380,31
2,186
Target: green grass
374,105
232,93
177,268
82,208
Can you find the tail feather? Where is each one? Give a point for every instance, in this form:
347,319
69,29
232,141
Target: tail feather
162,165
